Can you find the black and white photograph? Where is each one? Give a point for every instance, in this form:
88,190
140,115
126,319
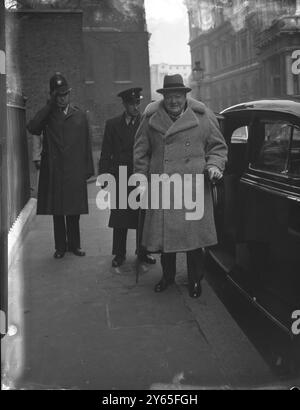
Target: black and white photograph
150,197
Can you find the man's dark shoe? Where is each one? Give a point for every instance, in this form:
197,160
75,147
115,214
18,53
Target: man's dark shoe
58,254
117,261
147,259
162,285
195,290
78,252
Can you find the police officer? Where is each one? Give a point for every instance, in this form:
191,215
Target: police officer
66,164
117,150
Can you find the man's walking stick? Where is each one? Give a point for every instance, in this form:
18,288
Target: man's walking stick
139,234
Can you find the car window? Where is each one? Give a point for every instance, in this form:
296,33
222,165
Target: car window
274,138
240,135
294,165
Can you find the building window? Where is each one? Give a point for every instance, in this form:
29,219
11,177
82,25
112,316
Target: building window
217,58
275,76
122,66
233,51
216,100
224,55
224,97
255,87
296,79
244,92
276,85
214,59
234,94
244,46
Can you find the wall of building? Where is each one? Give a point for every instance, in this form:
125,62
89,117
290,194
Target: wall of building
116,57
275,47
122,63
243,50
120,15
39,43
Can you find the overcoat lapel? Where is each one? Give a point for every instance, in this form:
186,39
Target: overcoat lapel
70,113
185,122
160,121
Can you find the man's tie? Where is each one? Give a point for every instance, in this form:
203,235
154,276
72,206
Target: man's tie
131,122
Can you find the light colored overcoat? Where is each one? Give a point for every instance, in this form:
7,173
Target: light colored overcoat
189,145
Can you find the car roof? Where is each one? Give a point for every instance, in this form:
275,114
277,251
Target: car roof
286,106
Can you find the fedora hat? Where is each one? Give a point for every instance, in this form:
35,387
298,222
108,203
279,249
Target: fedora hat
173,83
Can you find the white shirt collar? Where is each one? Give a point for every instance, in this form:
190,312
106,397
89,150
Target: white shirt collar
128,118
65,111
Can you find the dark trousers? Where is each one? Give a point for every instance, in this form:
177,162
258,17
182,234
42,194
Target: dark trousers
195,266
119,242
66,232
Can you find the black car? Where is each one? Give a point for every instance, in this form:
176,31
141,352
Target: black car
257,207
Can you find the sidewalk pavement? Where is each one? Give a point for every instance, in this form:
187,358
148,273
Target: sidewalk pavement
78,323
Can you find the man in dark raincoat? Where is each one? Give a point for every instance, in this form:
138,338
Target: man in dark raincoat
66,164
117,150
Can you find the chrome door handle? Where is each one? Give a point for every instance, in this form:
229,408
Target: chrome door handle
294,198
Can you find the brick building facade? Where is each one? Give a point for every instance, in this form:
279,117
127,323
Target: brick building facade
245,49
39,43
116,55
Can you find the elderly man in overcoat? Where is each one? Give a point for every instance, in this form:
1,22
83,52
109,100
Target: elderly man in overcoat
117,151
66,164
179,135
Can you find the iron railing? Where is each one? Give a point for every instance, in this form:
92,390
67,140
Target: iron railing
3,180
18,178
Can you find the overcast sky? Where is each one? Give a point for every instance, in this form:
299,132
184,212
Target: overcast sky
167,21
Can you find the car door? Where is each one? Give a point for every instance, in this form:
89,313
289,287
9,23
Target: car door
269,234
259,232
235,128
